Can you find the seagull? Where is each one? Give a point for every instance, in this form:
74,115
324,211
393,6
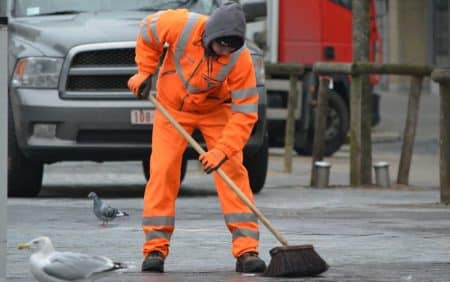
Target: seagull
48,265
103,211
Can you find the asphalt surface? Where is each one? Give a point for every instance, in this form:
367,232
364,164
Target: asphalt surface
365,233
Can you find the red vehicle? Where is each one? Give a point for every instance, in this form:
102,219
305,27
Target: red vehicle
306,32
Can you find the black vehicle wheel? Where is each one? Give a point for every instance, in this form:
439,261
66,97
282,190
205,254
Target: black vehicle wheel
146,169
336,130
256,165
24,175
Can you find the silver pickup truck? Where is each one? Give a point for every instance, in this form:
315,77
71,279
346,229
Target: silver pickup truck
69,62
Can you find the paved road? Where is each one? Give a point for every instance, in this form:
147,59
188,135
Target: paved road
364,233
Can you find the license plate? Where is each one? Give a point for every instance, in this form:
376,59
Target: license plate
141,116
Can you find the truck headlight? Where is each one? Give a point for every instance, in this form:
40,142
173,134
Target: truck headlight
258,62
37,72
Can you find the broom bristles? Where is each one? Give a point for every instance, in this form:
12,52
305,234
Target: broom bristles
295,261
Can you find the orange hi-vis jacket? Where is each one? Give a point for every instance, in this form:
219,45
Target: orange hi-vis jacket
191,81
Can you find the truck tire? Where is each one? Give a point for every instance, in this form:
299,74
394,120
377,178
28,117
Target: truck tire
24,175
256,165
146,169
338,123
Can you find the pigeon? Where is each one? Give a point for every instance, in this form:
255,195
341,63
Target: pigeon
48,265
103,211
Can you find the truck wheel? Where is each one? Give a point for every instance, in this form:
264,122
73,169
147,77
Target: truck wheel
24,175
256,165
146,169
336,130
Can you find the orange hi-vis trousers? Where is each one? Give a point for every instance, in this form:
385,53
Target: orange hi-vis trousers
162,188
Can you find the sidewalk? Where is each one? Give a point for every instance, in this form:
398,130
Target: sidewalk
364,233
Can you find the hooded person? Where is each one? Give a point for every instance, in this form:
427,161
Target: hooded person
206,81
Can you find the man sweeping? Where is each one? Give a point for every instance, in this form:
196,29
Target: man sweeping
207,82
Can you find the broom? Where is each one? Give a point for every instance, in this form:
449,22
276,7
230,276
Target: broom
288,261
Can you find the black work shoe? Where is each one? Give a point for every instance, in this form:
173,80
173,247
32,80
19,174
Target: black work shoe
153,262
250,263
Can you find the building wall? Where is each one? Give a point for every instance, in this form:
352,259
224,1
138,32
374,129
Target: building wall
407,36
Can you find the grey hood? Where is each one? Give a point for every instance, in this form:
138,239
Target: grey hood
227,20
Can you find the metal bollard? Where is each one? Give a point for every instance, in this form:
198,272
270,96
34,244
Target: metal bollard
322,174
382,178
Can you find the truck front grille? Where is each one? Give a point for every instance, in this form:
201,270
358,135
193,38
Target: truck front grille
99,82
98,71
118,57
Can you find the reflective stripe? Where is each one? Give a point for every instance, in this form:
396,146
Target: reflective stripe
158,220
239,233
180,48
153,26
144,28
182,41
223,72
244,93
244,108
144,33
225,69
240,217
156,234
195,90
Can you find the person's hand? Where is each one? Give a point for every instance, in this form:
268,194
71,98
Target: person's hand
212,160
140,84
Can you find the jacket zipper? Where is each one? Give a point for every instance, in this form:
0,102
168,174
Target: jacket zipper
188,80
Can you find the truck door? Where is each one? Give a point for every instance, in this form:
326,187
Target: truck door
336,38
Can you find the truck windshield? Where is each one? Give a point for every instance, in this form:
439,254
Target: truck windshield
33,8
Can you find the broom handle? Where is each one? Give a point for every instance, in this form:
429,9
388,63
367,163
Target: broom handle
219,171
